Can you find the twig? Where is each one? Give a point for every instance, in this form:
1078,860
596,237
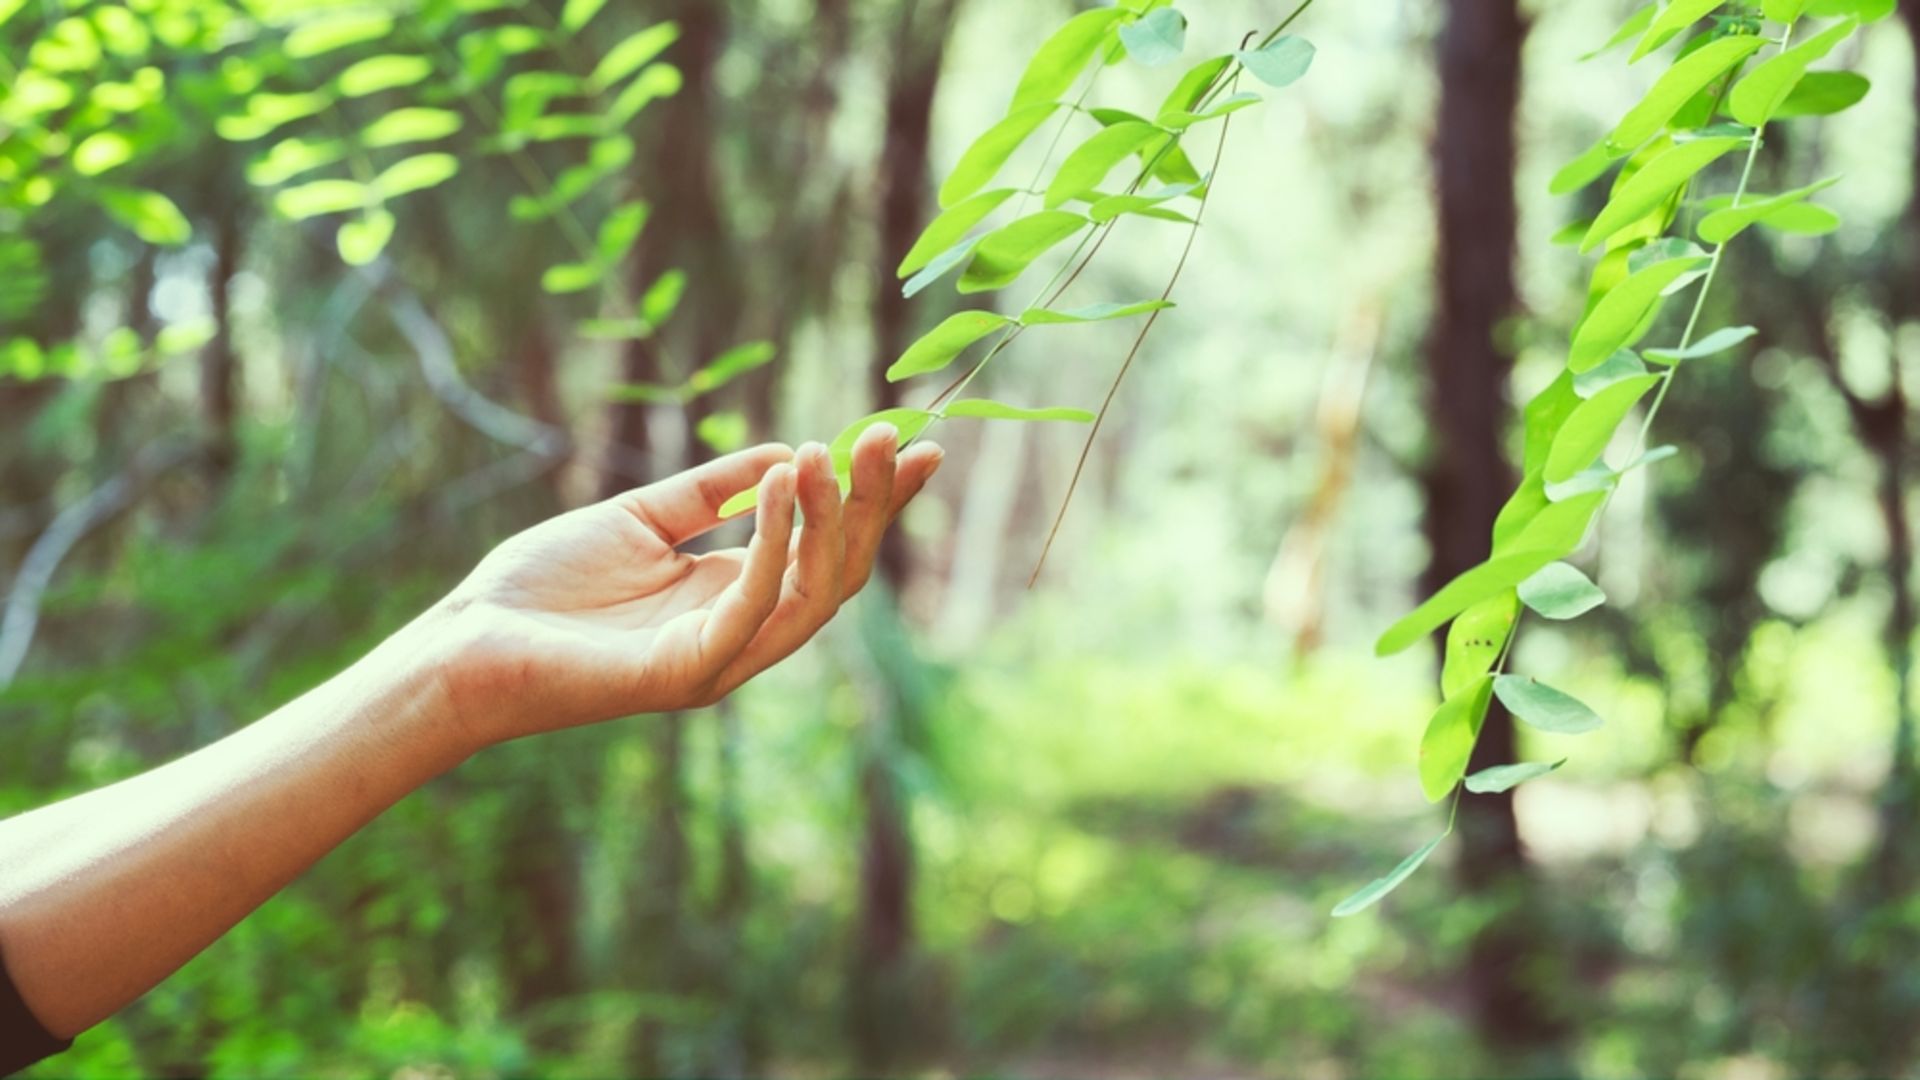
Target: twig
21,616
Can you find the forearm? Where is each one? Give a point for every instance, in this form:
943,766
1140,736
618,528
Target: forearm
107,893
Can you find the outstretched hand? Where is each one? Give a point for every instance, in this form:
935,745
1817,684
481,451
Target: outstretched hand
596,614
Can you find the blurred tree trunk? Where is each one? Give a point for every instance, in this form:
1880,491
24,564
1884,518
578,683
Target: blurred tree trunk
903,182
882,1011
1479,68
219,364
686,229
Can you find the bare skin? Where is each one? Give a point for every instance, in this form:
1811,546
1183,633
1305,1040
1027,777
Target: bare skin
587,617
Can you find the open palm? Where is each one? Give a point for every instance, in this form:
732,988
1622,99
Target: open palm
596,613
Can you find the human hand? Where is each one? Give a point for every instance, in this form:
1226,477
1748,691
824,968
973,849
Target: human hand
595,614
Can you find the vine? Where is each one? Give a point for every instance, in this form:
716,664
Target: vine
1707,105
1075,205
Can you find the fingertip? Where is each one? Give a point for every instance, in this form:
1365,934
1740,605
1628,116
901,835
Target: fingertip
926,455
882,433
777,485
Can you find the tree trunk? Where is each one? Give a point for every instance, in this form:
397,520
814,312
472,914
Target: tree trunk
219,365
903,182
1479,67
685,231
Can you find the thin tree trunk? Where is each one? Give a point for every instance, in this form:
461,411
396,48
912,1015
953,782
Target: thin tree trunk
903,183
685,231
219,364
1479,66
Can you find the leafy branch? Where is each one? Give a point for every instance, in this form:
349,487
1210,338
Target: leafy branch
1076,205
1706,105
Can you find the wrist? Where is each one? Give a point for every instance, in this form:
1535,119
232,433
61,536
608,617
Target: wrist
421,666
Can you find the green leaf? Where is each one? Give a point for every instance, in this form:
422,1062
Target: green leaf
152,216
946,230
621,230
1488,579
655,82
1280,63
1623,364
982,409
1090,162
1723,225
1543,416
941,264
1060,60
578,13
363,239
1156,39
939,346
1618,320
1544,707
1601,479
1112,206
1591,165
1636,23
1785,11
1680,83
1547,528
1717,342
410,125
319,197
663,297
1370,893
1186,94
1865,10
337,32
1091,313
1476,640
573,277
1181,121
291,157
1500,778
1225,106
1823,93
1675,17
633,52
1654,184
183,337
101,151
1448,741
1587,431
909,422
377,73
1755,98
1005,253
416,173
730,365
268,112
723,432
1560,591
991,150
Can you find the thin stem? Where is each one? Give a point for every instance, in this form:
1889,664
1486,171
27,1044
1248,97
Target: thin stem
1706,286
1140,339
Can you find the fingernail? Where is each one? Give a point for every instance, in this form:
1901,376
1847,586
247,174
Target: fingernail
891,439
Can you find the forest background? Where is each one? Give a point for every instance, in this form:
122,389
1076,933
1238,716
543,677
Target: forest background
1092,828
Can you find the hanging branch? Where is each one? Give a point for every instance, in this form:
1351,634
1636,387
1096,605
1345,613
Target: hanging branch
1714,101
1075,205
